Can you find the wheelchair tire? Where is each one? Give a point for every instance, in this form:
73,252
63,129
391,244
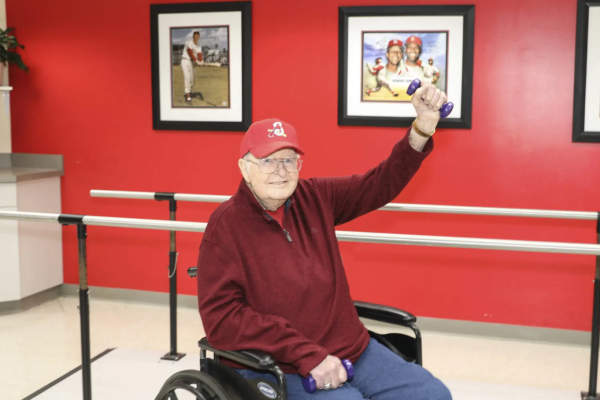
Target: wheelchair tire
199,384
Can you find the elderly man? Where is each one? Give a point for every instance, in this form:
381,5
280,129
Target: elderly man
270,272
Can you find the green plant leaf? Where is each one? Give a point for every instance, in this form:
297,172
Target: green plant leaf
8,47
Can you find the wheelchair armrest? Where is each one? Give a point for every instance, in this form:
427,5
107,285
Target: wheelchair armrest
250,358
384,313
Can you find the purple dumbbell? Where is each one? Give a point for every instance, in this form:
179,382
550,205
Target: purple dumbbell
310,385
446,107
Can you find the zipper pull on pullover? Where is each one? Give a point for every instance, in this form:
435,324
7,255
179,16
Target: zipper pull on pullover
277,217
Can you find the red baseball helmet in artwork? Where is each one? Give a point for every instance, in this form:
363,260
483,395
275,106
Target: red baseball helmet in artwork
394,42
414,39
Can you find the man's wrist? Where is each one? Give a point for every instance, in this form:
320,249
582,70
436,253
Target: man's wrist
424,132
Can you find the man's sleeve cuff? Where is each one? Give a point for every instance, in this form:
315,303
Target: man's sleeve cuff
307,364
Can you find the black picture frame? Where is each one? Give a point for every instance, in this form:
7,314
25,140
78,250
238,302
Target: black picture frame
355,109
228,72
586,97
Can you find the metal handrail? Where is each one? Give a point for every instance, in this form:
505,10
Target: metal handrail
370,237
118,222
470,242
406,207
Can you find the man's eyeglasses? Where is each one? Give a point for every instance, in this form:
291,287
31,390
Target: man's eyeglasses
270,165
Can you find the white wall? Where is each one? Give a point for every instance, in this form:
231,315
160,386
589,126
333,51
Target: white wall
3,26
5,142
10,284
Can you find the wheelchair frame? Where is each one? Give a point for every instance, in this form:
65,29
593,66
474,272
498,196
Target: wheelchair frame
205,384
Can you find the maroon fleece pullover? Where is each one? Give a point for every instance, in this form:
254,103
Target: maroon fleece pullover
282,288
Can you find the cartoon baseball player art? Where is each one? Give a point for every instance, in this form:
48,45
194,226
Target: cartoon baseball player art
192,55
385,74
413,64
392,60
374,70
431,73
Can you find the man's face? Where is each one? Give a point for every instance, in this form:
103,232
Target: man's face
270,188
412,52
196,38
394,55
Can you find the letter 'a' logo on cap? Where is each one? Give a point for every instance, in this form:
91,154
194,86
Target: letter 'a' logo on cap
277,130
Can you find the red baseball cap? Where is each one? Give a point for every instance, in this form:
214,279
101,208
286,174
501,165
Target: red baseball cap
394,42
414,39
267,136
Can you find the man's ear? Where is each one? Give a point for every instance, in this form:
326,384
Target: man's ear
243,166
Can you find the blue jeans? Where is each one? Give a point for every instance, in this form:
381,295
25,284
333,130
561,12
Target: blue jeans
379,374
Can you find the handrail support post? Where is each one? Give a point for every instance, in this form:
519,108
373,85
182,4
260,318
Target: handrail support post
84,308
592,394
172,355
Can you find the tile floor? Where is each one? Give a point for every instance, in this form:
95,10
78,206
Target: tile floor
41,343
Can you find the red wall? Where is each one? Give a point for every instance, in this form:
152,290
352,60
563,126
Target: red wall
88,96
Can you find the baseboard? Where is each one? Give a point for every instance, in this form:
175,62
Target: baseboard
486,329
8,307
131,295
505,331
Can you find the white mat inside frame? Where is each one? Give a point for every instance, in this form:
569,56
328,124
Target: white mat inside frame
138,374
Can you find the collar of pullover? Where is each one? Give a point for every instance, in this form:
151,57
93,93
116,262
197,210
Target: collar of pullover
245,196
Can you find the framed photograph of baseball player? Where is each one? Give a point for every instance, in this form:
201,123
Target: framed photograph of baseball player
383,49
201,72
586,101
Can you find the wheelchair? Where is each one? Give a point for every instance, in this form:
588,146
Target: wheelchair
217,381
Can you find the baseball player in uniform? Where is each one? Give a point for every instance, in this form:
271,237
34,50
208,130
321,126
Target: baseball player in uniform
413,47
374,70
431,72
192,55
393,67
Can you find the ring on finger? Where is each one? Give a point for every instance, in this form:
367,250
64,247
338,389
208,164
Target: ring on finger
327,386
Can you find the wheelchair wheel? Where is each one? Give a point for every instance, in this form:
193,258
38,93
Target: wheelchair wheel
191,384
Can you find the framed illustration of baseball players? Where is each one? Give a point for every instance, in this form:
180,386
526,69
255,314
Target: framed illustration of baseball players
384,48
393,59
586,102
201,76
